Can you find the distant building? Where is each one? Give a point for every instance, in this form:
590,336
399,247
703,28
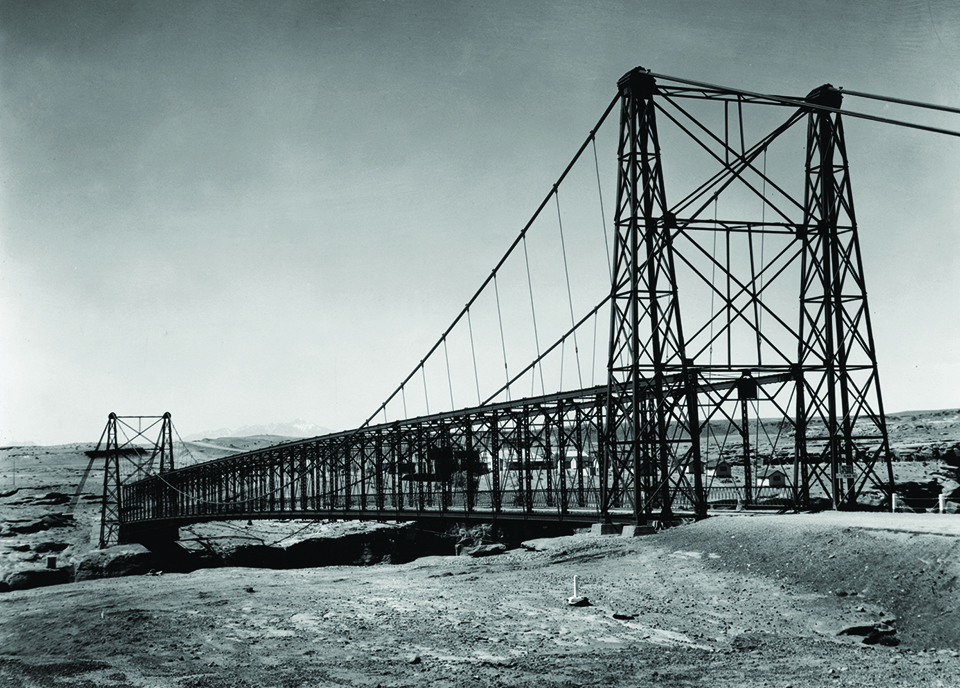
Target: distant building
720,470
775,479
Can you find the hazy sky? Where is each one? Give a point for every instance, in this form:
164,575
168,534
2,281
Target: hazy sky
247,212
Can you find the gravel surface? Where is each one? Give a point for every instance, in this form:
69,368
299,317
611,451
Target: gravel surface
731,601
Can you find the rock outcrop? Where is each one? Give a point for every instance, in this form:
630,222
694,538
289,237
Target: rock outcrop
24,579
123,560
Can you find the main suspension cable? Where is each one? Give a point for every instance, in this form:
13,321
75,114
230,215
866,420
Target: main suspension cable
506,255
901,101
797,102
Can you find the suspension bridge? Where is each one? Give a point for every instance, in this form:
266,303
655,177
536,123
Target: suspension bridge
738,333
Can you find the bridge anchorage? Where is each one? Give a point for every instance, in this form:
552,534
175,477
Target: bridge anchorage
741,368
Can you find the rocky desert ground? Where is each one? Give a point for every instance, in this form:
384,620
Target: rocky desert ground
810,599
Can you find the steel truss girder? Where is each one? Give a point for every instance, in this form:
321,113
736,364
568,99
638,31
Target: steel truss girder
485,461
536,458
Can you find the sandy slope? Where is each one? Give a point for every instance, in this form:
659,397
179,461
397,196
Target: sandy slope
749,600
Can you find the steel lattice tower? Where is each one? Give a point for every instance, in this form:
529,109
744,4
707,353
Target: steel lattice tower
664,391
138,463
647,364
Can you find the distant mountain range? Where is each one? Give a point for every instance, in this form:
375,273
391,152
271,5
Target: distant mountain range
295,428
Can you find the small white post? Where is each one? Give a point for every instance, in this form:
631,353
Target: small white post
576,600
943,503
893,502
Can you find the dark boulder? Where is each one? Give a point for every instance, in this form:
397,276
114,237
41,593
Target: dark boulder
919,496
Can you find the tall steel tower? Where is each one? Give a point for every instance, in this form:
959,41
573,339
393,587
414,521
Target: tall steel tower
749,362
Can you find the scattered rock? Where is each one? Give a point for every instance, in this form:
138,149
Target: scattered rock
484,550
624,617
578,601
473,541
44,523
745,641
54,498
498,662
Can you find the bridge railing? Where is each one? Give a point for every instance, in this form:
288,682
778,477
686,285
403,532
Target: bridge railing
156,499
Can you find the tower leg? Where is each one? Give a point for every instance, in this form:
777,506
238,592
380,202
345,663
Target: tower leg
843,411
646,366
